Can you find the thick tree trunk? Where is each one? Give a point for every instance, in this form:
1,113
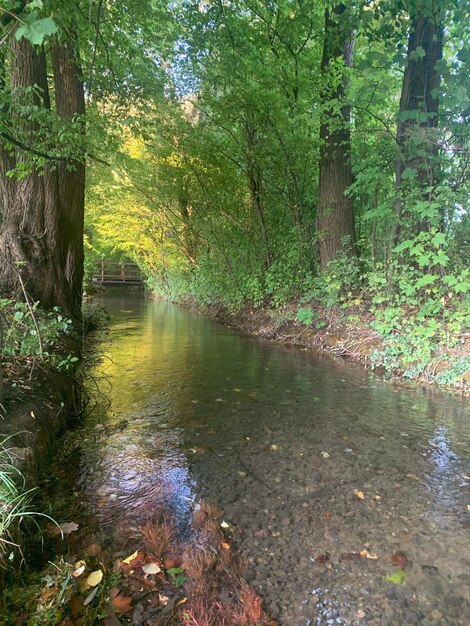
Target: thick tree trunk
29,229
335,218
418,114
41,234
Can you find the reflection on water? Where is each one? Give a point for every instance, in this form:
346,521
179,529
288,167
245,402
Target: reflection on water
194,409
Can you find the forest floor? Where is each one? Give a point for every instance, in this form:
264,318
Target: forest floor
354,338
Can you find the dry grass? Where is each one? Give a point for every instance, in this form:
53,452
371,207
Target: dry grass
198,560
159,535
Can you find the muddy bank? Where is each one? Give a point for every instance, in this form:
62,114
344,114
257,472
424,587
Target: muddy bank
357,341
40,404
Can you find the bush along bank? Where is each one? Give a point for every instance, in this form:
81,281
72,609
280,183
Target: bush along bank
409,333
40,356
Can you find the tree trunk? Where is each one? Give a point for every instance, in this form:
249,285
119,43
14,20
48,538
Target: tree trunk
70,102
29,229
418,114
41,234
255,183
335,219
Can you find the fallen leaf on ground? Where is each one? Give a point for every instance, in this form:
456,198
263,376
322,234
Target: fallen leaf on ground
326,515
123,604
225,546
274,447
95,578
237,390
90,596
225,525
468,507
399,559
360,613
325,454
359,494
377,498
398,577
169,563
151,568
252,394
67,528
368,555
412,476
163,599
79,569
130,558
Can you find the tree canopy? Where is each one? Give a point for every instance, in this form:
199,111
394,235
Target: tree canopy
248,152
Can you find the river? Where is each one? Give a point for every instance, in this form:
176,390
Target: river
312,460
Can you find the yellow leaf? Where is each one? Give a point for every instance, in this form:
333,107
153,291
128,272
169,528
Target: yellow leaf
225,546
468,507
130,558
377,498
359,494
95,578
182,601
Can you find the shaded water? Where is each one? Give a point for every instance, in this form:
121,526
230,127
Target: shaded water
281,438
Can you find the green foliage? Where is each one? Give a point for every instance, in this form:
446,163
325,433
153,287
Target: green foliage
29,331
213,184
305,315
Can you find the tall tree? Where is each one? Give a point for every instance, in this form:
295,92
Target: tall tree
42,191
419,103
335,218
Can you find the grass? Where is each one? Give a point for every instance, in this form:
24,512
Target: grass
15,501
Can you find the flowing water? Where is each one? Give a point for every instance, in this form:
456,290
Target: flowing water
282,440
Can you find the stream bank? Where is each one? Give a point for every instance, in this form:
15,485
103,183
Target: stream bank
351,337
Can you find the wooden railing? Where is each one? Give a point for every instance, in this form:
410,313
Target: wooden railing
116,272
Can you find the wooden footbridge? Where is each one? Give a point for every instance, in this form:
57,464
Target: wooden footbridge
117,273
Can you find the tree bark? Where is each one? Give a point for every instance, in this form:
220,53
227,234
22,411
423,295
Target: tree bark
335,216
41,233
421,81
69,103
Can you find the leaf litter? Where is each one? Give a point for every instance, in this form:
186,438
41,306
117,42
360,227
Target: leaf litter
161,583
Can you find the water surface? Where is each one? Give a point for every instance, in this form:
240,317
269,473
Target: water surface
282,439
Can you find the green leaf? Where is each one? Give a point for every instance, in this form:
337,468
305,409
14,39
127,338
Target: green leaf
439,239
398,577
36,30
418,53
